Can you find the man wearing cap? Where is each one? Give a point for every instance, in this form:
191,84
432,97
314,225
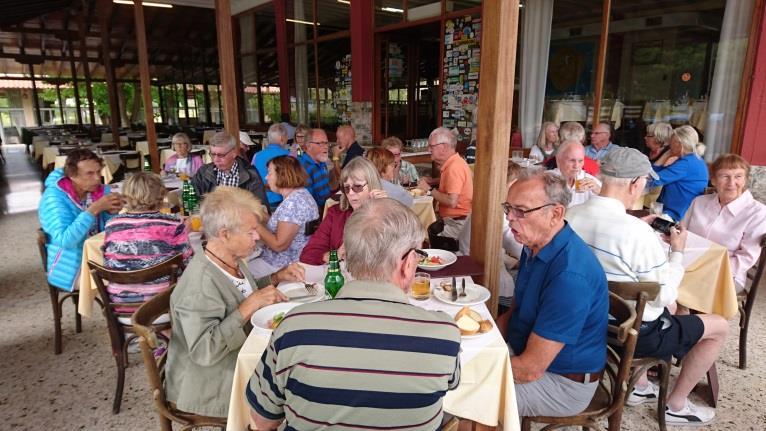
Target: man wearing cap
629,250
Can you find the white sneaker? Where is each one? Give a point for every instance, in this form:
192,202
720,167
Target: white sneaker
641,395
689,415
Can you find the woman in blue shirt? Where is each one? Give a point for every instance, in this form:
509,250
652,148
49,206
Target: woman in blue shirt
684,176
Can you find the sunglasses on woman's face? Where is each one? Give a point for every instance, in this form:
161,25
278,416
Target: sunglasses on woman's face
357,188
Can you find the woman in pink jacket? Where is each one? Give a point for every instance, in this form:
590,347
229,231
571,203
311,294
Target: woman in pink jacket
182,161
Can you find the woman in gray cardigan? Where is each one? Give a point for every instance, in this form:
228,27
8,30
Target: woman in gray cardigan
211,306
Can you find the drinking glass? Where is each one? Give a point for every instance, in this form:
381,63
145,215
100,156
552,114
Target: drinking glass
656,208
517,154
421,286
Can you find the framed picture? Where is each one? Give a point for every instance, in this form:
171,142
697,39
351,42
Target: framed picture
648,52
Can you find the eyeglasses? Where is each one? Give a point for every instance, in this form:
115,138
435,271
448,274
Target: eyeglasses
300,136
432,146
649,136
520,213
220,155
597,133
357,188
635,180
417,251
319,143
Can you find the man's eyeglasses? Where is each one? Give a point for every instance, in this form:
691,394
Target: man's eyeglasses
649,136
432,146
421,254
319,143
220,155
635,180
357,188
520,213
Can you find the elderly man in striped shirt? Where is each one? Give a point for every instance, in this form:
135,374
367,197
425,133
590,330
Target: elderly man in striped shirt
366,359
629,250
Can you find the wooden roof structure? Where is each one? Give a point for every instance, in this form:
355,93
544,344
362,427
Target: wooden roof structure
51,35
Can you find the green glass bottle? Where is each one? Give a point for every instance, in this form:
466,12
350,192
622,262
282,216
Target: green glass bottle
185,194
334,280
147,166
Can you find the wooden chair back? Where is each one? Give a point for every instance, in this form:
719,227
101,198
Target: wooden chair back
155,366
132,161
747,300
41,242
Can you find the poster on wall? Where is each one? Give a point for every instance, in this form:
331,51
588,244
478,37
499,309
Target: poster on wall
462,37
341,98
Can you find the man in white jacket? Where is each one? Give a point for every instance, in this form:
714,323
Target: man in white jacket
629,250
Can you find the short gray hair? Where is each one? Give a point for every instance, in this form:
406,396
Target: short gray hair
376,237
359,168
223,209
223,140
182,138
566,145
661,131
276,133
688,138
443,135
554,185
572,130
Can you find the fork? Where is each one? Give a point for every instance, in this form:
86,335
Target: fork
462,293
310,288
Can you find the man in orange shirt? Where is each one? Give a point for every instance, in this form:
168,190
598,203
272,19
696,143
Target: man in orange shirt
455,188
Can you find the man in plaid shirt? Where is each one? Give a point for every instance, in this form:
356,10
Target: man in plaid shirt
227,169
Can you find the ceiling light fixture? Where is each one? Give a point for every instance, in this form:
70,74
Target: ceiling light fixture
300,21
146,3
344,1
392,9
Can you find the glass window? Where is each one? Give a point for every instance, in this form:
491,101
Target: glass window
246,34
265,26
335,82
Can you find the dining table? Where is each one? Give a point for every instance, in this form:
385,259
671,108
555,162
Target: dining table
485,395
707,285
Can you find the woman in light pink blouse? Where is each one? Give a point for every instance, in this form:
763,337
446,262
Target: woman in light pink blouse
730,217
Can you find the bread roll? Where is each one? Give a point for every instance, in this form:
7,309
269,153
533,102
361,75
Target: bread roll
467,325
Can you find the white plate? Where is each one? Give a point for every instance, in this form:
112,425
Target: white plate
298,289
448,258
475,294
260,318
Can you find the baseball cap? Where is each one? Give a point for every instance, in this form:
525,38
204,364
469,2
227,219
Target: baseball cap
623,162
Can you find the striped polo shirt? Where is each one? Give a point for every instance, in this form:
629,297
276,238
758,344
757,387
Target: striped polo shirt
319,178
365,360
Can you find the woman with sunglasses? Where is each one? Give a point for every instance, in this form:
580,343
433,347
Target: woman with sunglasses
359,182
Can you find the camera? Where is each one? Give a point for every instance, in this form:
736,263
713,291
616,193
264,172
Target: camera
663,226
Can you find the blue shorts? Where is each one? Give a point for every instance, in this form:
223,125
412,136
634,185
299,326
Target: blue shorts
669,336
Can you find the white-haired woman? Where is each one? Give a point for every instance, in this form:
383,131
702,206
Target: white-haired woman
547,142
684,179
212,304
657,140
359,182
182,160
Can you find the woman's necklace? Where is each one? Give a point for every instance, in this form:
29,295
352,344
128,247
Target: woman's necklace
236,270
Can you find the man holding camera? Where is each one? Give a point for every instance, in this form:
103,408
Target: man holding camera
629,250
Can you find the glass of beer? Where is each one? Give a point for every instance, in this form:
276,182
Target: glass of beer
421,286
195,222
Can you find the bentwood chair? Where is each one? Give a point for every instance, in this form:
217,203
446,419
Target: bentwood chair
155,367
57,297
641,293
746,300
131,161
117,314
612,389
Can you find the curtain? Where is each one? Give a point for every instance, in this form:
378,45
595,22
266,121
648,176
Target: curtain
727,76
535,46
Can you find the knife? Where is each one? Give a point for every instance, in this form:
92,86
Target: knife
454,290
293,298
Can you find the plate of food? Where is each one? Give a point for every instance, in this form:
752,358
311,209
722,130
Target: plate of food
437,259
268,318
471,323
416,192
474,293
300,292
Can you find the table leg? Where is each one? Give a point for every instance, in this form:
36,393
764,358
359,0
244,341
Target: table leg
481,427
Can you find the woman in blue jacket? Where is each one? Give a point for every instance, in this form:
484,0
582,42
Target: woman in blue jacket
684,176
74,206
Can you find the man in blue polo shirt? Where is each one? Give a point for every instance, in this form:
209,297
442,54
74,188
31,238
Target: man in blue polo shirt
557,329
277,137
314,161
600,142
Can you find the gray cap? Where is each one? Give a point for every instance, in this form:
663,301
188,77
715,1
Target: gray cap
623,162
